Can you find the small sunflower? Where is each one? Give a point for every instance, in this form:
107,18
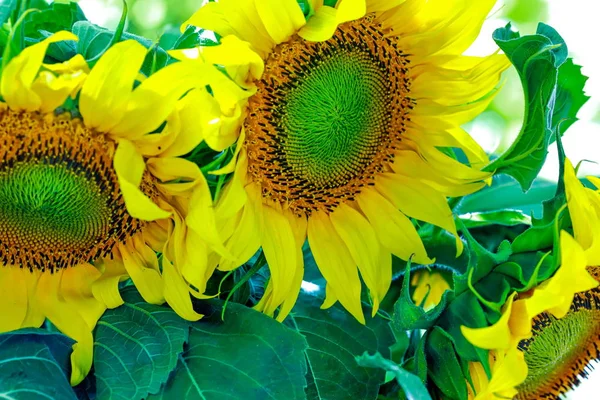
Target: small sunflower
524,319
87,201
430,286
341,136
560,352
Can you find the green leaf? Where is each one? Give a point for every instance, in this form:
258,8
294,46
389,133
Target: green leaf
500,217
193,37
246,356
334,339
444,367
538,59
59,16
35,364
408,316
466,310
137,346
95,40
6,9
413,387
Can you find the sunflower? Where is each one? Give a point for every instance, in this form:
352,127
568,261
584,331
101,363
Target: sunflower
87,201
524,325
560,351
347,133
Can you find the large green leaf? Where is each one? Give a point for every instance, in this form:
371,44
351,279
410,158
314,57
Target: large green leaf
553,96
34,364
334,339
413,387
445,369
137,346
246,356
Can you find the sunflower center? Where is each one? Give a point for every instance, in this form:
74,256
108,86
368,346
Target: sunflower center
59,196
335,117
560,351
327,117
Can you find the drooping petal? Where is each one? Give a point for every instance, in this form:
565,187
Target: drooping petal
177,293
15,298
20,73
394,229
281,18
335,263
68,321
107,90
418,201
129,166
280,248
496,336
142,266
362,243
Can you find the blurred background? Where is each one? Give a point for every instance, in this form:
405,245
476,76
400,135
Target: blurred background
575,20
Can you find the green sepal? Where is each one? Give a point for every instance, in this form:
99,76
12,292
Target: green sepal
408,316
413,387
445,369
538,59
481,261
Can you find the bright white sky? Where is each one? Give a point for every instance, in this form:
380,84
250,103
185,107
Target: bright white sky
575,20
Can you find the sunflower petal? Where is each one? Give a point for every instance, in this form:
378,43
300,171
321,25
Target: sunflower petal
14,300
394,229
282,18
142,266
177,293
419,201
105,95
20,73
129,166
360,239
336,264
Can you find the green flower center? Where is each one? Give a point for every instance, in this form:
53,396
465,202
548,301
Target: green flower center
327,117
60,201
560,350
335,117
52,205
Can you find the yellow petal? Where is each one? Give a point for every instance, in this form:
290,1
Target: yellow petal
393,229
508,372
280,248
68,321
585,221
129,166
321,26
21,71
142,265
106,288
155,98
349,10
418,201
76,289
14,299
242,64
106,93
177,293
281,18
234,17
360,239
335,263
556,294
497,336
189,132
247,236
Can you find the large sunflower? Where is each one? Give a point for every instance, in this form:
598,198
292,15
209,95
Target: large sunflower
346,135
88,201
